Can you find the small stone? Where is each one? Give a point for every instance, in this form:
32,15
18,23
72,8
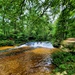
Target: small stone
64,72
58,73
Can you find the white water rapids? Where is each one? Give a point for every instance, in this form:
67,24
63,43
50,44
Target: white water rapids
38,44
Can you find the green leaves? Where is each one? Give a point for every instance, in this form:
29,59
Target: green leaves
33,18
64,61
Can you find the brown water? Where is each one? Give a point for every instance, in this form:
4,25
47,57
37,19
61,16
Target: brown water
6,47
31,62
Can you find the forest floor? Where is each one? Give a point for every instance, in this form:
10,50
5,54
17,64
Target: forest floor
31,62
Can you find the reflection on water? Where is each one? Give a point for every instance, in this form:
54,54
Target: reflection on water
32,62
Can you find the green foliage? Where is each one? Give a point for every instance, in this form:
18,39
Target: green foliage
35,18
2,37
65,27
25,17
7,43
64,61
21,38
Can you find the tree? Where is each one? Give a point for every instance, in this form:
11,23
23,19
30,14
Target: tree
65,25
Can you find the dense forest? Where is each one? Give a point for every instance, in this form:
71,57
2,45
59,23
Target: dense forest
36,20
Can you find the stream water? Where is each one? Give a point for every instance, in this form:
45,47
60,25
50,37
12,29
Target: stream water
27,60
38,44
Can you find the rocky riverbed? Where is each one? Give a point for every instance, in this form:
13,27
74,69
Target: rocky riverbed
26,61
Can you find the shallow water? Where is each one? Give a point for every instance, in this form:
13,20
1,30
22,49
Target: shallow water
6,47
32,62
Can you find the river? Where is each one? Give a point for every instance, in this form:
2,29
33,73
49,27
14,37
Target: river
27,59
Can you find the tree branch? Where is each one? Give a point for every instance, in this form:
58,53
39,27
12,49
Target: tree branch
42,13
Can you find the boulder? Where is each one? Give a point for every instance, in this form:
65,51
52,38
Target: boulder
68,45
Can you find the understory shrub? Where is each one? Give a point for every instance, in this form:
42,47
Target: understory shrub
18,38
2,37
7,43
64,61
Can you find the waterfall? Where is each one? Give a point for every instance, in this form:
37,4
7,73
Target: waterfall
45,44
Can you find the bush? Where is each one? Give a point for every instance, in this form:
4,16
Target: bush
7,43
2,37
9,39
21,38
64,61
